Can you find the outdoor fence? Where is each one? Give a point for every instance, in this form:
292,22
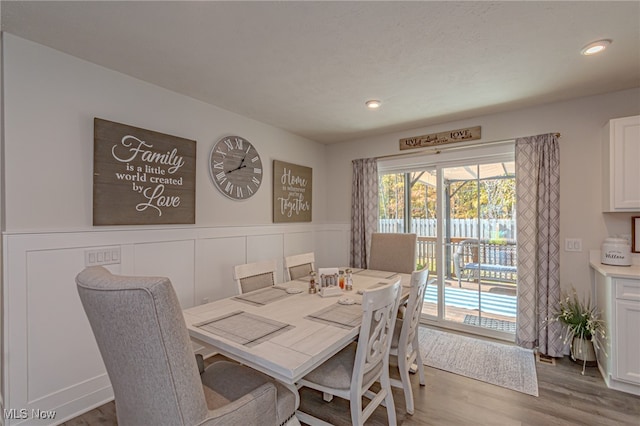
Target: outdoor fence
465,228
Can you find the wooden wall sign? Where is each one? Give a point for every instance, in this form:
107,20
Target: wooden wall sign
436,139
292,192
142,177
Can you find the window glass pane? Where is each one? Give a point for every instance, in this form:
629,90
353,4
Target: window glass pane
475,266
392,202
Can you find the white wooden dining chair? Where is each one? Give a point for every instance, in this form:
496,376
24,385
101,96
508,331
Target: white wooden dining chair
393,252
299,265
256,275
350,373
405,349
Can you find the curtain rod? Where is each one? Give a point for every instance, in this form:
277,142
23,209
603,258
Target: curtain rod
438,150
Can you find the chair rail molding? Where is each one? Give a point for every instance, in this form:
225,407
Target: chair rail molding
43,320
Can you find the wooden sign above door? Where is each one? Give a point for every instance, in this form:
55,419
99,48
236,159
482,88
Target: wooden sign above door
142,177
436,139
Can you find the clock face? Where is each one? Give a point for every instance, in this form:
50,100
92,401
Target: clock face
235,167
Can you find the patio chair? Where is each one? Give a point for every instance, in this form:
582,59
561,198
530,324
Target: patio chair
254,276
393,252
472,257
351,372
405,349
144,343
299,265
466,255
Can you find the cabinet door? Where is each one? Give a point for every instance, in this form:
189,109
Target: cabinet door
603,300
626,163
627,355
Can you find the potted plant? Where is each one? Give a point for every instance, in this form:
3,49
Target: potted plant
584,329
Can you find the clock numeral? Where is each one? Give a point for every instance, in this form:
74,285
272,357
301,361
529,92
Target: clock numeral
220,176
218,164
224,154
238,143
254,159
229,187
257,171
228,143
255,180
239,192
249,190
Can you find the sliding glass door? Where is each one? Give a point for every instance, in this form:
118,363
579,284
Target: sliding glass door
464,216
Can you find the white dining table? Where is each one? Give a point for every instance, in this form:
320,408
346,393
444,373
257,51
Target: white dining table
299,342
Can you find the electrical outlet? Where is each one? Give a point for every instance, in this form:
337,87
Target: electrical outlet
102,256
573,244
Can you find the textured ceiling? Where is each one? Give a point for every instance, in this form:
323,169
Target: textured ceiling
308,67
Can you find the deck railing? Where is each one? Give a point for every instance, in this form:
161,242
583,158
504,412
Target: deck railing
499,250
491,252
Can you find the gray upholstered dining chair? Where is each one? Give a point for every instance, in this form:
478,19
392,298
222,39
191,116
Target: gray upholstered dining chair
405,348
144,343
299,265
393,252
256,275
351,373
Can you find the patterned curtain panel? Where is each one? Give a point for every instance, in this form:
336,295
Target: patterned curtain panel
538,212
364,209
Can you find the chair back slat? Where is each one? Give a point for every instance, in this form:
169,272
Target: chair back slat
380,307
419,280
256,275
299,265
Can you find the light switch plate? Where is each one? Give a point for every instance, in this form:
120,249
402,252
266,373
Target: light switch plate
102,256
573,244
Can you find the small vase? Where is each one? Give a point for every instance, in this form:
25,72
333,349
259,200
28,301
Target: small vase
582,351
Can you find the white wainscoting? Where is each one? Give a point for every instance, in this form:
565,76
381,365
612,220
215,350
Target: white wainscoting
51,360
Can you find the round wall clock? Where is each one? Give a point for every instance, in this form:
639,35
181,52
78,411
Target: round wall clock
235,167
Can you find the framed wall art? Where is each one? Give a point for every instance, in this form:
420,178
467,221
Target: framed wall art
142,177
292,192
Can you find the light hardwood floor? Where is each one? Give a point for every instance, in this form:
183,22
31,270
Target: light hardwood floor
565,398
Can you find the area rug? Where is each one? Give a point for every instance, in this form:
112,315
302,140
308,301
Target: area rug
494,324
509,366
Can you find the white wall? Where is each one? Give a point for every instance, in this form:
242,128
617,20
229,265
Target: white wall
50,359
50,102
579,121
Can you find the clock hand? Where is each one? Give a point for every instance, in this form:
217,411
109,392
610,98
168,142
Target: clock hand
237,168
241,166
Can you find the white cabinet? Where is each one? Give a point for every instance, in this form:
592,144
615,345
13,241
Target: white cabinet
618,300
621,165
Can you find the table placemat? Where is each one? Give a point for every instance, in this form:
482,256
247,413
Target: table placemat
244,328
263,296
377,274
344,316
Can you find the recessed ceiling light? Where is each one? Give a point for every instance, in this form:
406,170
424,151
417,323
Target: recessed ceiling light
595,47
373,104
